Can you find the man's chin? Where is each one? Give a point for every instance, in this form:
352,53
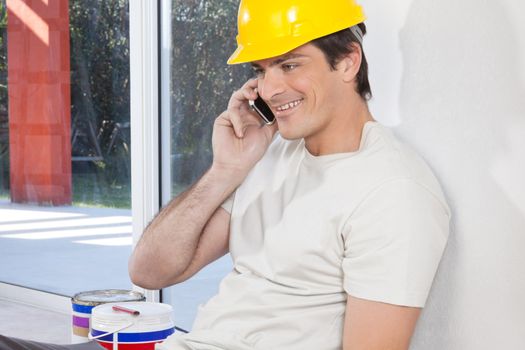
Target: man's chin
289,135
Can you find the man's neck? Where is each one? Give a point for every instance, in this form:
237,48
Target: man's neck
343,134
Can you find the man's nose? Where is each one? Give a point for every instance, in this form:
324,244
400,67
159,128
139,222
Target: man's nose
270,85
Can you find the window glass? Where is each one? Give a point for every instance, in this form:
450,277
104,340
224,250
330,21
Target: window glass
65,202
202,37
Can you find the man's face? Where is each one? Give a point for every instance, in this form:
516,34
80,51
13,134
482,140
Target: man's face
301,90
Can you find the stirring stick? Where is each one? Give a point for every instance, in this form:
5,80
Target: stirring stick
125,309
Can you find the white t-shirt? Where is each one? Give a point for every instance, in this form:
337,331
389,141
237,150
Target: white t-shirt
307,230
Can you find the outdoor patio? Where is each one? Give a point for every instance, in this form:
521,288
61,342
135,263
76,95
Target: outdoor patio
66,250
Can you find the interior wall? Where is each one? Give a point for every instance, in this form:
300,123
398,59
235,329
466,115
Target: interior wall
449,77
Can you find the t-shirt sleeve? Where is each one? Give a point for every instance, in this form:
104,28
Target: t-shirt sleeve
228,203
393,243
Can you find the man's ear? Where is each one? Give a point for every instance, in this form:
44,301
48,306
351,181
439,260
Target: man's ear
351,63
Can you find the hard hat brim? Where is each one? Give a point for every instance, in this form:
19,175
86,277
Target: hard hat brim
251,53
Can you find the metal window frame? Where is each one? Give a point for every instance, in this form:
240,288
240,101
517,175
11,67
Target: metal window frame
144,75
165,49
36,298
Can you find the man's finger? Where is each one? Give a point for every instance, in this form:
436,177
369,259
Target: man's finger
245,93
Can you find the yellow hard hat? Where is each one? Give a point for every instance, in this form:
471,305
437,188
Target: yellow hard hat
273,27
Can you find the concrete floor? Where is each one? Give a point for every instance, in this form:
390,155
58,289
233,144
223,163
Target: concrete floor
66,250
31,323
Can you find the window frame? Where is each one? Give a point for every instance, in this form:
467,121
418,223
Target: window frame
145,127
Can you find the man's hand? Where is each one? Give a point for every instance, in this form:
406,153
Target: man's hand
193,230
240,139
371,325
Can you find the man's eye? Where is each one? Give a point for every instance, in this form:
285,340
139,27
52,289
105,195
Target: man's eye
289,66
258,72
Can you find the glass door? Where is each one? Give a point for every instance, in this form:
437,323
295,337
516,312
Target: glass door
65,189
197,38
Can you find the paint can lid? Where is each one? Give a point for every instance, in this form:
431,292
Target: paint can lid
97,297
152,317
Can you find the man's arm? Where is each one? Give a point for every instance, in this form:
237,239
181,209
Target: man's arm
371,325
193,230
189,233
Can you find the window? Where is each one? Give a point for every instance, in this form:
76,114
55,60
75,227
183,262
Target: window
65,218
198,37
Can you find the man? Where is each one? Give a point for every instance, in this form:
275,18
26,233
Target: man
335,228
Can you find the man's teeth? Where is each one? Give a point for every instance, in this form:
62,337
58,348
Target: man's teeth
288,105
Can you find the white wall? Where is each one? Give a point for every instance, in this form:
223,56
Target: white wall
450,77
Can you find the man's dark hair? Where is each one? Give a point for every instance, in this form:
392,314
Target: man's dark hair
336,45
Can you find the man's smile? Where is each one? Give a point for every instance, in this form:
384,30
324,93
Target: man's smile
288,105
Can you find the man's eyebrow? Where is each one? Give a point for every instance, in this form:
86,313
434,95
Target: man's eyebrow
279,60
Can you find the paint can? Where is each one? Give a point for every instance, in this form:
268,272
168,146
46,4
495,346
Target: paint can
131,326
83,303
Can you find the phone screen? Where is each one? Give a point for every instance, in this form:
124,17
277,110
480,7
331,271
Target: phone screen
259,106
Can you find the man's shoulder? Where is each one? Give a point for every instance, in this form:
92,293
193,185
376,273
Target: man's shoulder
389,159
384,153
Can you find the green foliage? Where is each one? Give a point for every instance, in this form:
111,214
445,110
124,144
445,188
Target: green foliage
89,193
99,31
203,35
100,92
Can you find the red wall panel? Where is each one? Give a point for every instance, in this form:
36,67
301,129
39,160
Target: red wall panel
39,101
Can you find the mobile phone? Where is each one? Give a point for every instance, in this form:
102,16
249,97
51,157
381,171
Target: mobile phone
262,109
